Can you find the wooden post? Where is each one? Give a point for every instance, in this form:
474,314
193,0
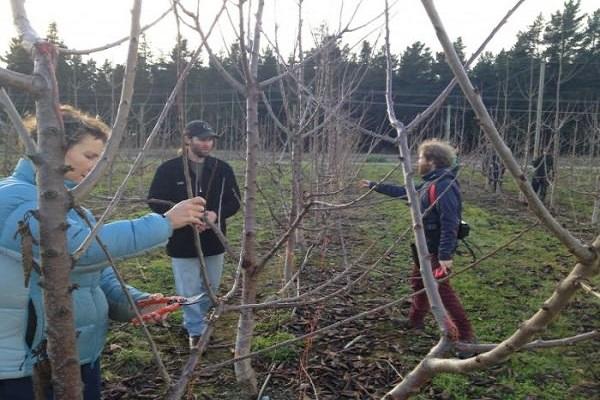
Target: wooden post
596,212
538,116
448,120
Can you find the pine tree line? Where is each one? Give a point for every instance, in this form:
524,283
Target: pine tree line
568,43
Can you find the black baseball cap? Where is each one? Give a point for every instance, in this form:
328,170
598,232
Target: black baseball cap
200,129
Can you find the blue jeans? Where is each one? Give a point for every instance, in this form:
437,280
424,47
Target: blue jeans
22,388
188,282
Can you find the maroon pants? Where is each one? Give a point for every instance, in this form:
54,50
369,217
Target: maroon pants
420,304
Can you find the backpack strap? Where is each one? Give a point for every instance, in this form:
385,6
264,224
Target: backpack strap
432,195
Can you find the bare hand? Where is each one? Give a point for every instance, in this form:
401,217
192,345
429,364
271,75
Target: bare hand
209,216
364,184
443,269
186,212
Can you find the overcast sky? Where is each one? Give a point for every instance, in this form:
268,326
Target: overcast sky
85,23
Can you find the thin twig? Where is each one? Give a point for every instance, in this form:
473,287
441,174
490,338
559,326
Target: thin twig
117,196
536,344
68,51
132,303
589,289
120,124
33,84
372,310
562,234
13,115
265,383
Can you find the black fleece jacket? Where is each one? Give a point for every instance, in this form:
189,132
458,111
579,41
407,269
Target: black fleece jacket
217,185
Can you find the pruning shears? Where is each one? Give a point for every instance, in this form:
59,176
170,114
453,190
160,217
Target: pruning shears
155,308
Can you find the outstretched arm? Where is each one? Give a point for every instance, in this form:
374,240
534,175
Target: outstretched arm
388,189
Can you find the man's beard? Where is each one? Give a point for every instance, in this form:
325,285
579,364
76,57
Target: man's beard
200,153
423,169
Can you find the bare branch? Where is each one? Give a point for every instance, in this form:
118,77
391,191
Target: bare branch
213,58
222,238
170,101
115,43
487,124
304,299
433,107
589,289
359,198
178,389
279,124
244,49
283,238
210,290
63,357
30,146
29,36
130,300
372,310
294,68
33,84
299,271
437,306
536,344
87,184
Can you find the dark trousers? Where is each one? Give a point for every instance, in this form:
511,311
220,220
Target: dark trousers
539,186
420,304
22,388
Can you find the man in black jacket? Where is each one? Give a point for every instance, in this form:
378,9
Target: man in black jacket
543,173
214,180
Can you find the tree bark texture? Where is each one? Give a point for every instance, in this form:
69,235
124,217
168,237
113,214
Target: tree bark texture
56,264
244,372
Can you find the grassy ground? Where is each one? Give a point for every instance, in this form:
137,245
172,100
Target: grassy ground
498,295
503,291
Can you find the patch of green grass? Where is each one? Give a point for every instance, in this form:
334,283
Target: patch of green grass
273,320
126,353
285,353
376,158
498,295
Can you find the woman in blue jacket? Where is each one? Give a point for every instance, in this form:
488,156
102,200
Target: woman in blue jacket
98,295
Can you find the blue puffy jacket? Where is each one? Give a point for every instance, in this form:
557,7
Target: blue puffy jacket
98,293
442,221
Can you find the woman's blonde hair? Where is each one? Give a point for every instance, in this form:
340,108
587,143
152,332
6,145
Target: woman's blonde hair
77,125
440,152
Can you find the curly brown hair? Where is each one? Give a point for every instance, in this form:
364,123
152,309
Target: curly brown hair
440,152
77,125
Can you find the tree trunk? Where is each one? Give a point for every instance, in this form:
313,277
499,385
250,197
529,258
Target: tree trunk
596,211
288,269
539,110
572,180
244,372
56,261
556,140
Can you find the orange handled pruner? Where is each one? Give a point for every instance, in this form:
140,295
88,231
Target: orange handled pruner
153,309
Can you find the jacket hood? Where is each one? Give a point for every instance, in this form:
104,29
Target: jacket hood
25,171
